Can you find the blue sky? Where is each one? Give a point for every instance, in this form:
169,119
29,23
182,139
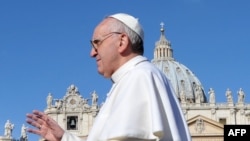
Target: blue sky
44,47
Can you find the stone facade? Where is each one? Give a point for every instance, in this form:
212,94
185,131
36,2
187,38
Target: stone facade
205,116
73,112
205,120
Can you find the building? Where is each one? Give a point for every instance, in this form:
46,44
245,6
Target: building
205,116
73,112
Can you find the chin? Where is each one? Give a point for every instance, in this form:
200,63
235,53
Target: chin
100,72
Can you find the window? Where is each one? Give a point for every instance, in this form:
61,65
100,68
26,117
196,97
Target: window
72,123
222,121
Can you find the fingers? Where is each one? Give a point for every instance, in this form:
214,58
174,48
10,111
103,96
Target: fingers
32,122
46,126
35,131
36,119
39,120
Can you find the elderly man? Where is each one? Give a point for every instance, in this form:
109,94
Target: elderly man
141,105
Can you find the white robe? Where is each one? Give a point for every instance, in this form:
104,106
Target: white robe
141,105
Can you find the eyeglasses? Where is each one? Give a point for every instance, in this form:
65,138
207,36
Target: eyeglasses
97,42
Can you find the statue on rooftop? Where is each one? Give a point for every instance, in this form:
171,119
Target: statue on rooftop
198,94
94,98
49,100
8,129
229,96
211,96
24,136
241,96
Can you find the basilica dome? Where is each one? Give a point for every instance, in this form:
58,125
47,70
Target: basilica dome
186,85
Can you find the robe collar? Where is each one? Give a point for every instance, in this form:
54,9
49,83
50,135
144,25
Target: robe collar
118,74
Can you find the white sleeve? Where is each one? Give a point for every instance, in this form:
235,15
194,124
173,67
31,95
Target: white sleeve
70,137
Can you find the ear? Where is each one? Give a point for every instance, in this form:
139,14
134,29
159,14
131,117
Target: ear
124,43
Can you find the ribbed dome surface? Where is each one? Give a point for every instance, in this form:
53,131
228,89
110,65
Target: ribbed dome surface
182,78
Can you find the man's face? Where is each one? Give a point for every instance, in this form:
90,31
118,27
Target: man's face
104,48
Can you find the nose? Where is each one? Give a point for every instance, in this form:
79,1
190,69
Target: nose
93,52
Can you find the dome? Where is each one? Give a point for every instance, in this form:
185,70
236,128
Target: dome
186,85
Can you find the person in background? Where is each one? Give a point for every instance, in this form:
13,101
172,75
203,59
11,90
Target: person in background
141,104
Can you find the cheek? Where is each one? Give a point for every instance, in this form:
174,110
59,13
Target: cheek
108,55
109,59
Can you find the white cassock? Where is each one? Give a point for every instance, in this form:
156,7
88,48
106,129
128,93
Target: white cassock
141,105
